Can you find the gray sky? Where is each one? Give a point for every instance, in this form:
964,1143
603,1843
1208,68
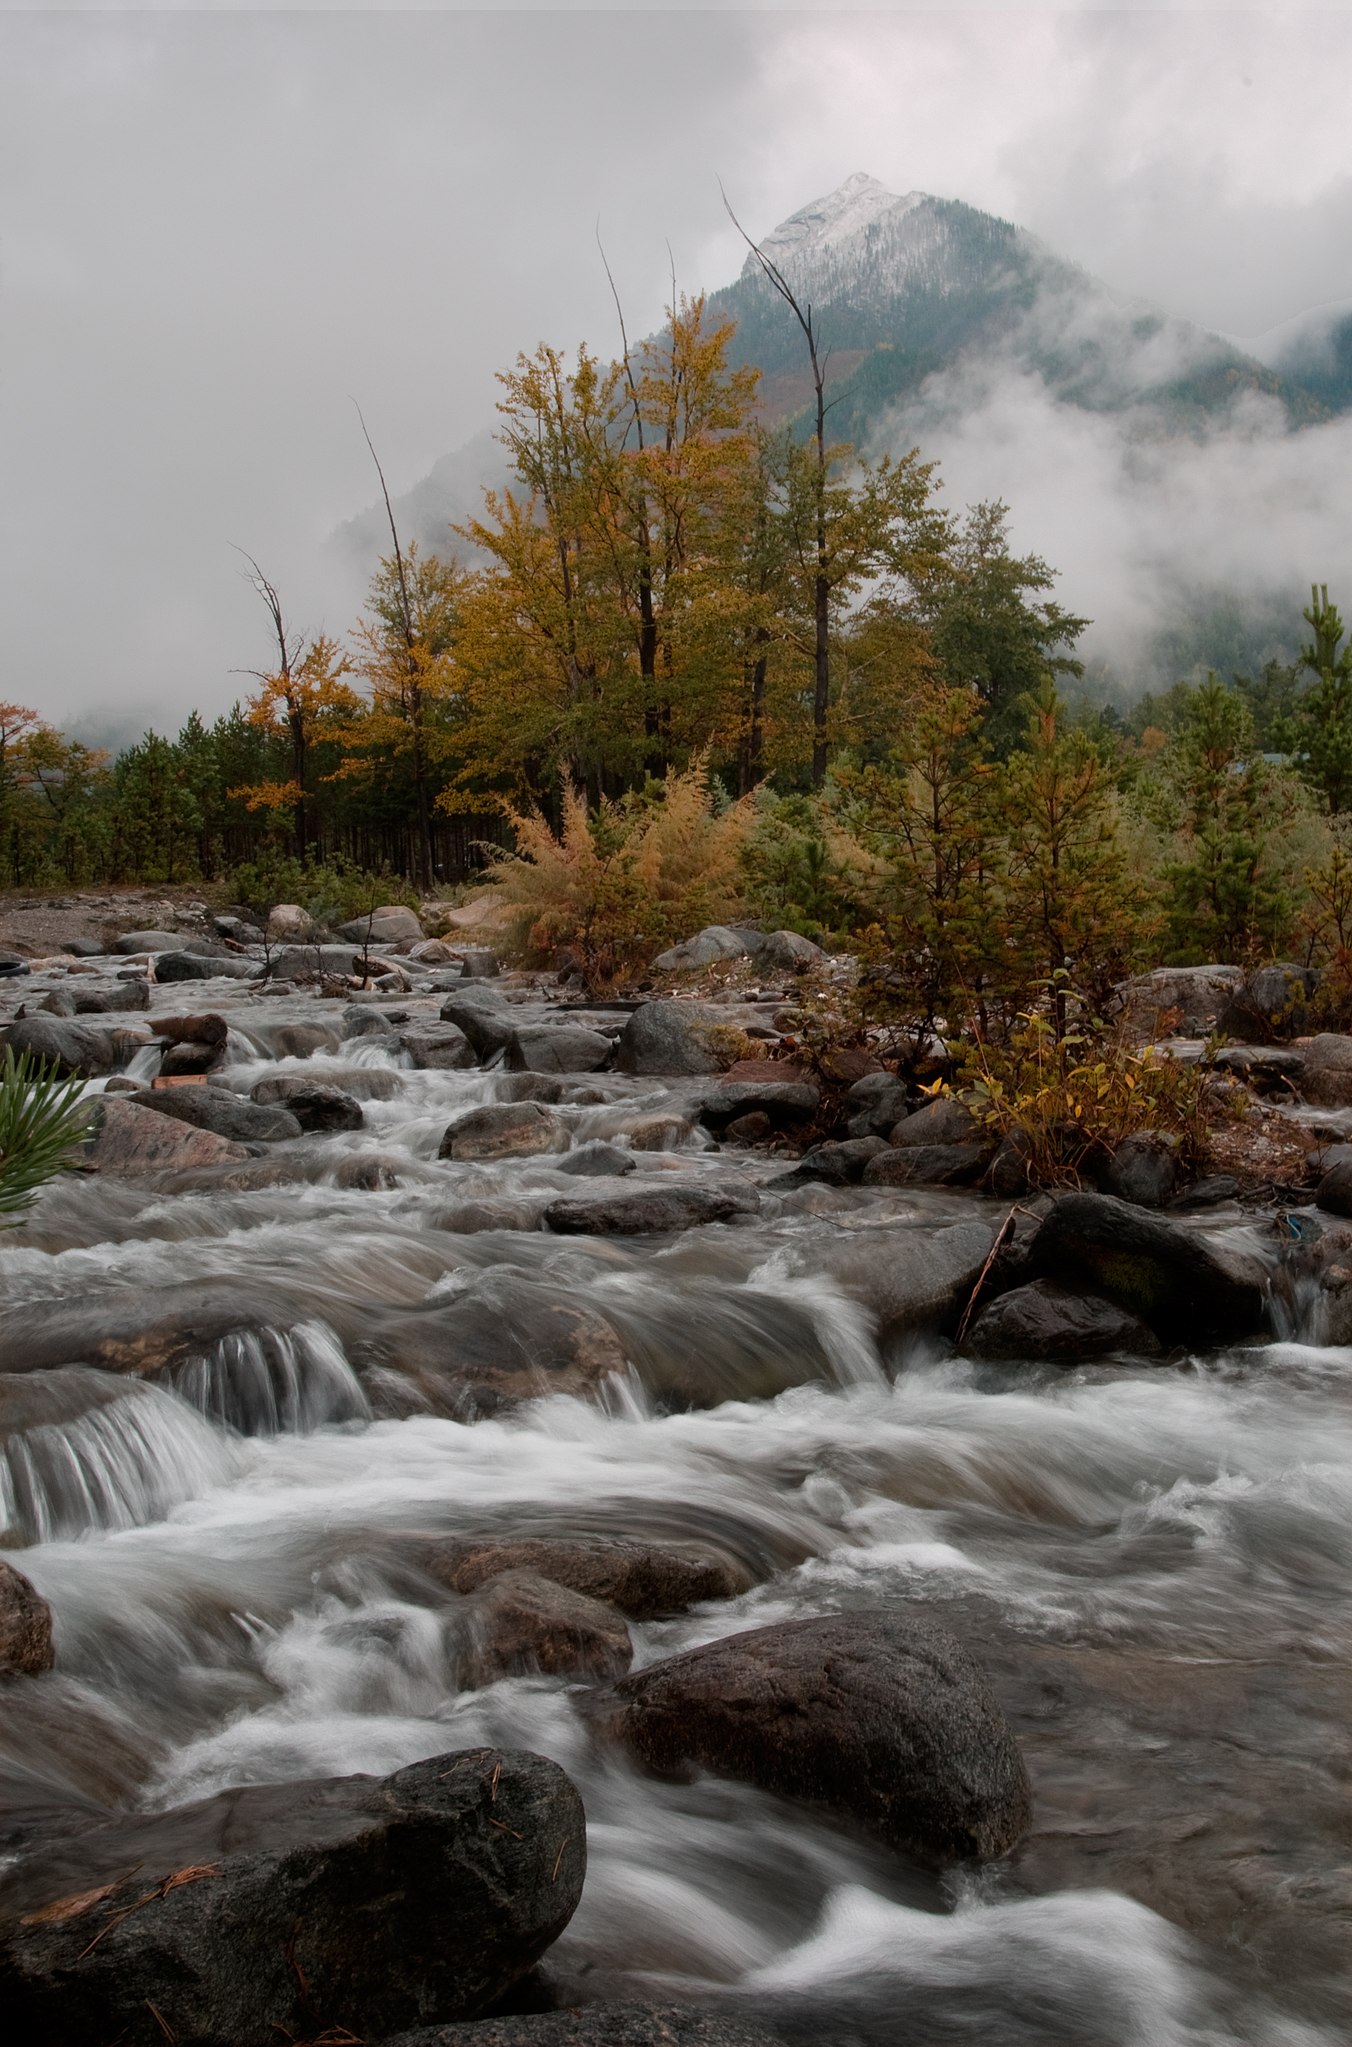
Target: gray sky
217,227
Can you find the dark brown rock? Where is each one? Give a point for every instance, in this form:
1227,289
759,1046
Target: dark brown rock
1044,1322
484,1352
25,1626
928,1165
522,1624
1188,1290
504,1130
646,1581
880,1718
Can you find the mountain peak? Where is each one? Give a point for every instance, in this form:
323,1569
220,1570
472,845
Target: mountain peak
830,226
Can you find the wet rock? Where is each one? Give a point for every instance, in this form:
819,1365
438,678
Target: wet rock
530,1087
488,1024
130,1136
241,930
522,1624
557,1048
187,1058
877,1104
837,1163
785,1102
603,2025
472,1218
348,1906
81,999
363,1021
147,941
307,962
1335,1190
880,1718
209,1028
477,963
753,1128
26,1627
84,949
442,1048
368,1173
140,1331
596,1161
658,1133
194,966
1207,1193
504,1130
1143,1169
484,1352
1044,1322
1179,1001
317,1106
928,1165
648,1210
1270,1005
289,920
392,924
942,1121
672,1038
1188,1290
76,1049
1326,1078
221,1110
647,1581
301,1040
434,952
913,1281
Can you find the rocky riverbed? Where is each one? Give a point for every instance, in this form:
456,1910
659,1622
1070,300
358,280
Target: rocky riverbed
440,1410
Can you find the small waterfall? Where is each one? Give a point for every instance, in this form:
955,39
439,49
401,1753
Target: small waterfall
275,1382
119,1465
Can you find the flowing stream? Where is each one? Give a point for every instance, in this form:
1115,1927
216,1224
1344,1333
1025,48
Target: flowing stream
1151,1561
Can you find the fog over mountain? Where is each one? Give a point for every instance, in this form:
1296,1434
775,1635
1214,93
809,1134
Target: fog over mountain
220,228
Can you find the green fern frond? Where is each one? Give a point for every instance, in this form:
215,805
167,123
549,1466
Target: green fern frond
42,1118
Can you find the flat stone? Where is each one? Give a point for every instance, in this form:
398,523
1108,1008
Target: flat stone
647,1211
221,1110
928,1165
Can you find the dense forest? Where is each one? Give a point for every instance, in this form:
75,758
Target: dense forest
691,664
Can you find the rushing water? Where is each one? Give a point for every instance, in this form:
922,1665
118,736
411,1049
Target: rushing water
1153,1563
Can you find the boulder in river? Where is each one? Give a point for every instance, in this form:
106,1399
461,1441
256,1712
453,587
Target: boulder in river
221,1110
644,1211
674,1038
488,1024
557,1048
837,1163
521,1624
1143,1169
442,1047
783,1101
130,1137
928,1165
942,1121
76,1049
880,1718
315,1105
101,999
343,1908
195,966
504,1130
596,1161
1189,1290
25,1626
1048,1324
300,1040
307,962
138,1329
913,1281
485,1351
645,1580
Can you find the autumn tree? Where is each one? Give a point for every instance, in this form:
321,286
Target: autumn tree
302,693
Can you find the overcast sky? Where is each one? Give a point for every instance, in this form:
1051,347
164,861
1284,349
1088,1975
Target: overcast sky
218,227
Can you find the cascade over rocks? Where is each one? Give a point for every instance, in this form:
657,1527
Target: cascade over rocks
881,1718
1190,1291
484,1351
351,1906
140,1330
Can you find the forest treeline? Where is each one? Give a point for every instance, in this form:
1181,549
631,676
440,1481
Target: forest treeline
680,628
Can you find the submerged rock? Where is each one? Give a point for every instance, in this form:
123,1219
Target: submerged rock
346,1907
881,1718
596,1160
644,1211
522,1623
1190,1291
483,1352
645,1580
140,1330
1044,1322
25,1626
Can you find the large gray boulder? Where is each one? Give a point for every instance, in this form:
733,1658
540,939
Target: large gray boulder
318,1106
1178,1001
715,942
221,1110
195,966
928,1165
1046,1323
1270,1004
1326,1076
913,1281
75,1049
484,1016
785,1102
789,951
343,1908
1188,1290
441,1047
391,924
99,998
648,1211
303,962
1143,1169
130,1137
557,1048
673,1038
148,941
880,1718
484,1352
